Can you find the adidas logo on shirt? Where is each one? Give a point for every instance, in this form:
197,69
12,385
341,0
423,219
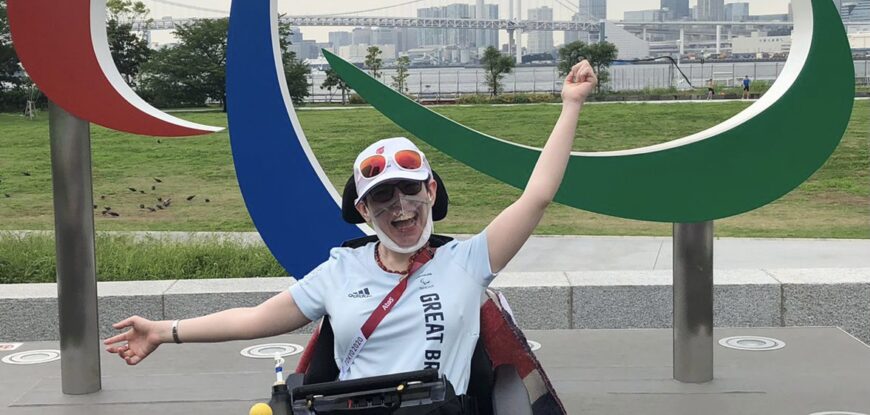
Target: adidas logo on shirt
363,293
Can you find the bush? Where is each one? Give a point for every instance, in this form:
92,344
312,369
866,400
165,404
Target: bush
536,98
356,99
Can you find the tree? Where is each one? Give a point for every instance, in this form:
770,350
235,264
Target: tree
400,80
8,58
374,61
295,71
496,66
600,56
129,50
192,71
334,81
126,10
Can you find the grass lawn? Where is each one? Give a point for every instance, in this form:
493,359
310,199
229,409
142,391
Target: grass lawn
834,203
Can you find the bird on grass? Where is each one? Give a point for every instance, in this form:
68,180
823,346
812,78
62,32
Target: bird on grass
158,180
25,173
131,189
189,198
114,214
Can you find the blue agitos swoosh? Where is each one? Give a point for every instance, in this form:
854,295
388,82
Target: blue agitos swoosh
290,199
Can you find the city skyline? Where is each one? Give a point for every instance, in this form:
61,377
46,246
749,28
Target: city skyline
615,9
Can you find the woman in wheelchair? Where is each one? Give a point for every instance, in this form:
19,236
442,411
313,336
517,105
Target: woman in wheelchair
406,300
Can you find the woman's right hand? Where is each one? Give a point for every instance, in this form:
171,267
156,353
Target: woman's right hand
140,340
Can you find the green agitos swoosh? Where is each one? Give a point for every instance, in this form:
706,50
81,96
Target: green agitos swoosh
744,163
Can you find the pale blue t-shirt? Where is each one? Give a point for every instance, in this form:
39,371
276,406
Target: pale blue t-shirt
435,324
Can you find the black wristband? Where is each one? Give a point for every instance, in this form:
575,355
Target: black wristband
175,332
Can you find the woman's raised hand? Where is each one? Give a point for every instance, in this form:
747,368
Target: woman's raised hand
142,337
579,83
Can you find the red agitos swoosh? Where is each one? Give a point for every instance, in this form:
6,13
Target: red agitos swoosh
63,47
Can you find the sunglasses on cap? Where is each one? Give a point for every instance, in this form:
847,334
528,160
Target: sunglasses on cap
384,192
405,160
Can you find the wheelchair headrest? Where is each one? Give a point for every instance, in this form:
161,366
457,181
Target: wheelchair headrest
351,215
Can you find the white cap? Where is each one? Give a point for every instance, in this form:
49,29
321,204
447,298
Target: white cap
388,148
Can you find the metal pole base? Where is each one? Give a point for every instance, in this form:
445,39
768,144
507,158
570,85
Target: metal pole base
76,263
693,302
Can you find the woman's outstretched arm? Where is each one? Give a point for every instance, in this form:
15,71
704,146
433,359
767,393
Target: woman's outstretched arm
512,227
275,316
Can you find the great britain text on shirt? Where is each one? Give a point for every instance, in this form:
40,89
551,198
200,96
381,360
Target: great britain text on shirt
431,313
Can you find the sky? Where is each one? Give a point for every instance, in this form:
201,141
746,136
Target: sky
615,9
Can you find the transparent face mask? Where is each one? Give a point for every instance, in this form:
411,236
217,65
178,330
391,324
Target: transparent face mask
402,207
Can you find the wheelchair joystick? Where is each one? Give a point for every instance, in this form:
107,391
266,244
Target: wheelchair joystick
280,402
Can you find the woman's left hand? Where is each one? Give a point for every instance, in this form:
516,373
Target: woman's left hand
579,83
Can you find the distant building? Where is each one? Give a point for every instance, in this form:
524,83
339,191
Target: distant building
489,37
581,35
295,39
540,42
408,39
431,37
627,44
778,17
759,44
594,9
711,10
676,9
385,36
860,41
736,12
458,37
357,53
652,15
361,36
339,39
855,11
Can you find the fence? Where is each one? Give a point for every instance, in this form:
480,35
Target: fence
449,83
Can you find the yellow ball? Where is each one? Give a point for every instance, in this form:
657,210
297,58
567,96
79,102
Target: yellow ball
260,409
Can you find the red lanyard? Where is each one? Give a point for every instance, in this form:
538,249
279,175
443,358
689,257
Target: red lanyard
418,260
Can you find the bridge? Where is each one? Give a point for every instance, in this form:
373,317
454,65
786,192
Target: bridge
403,22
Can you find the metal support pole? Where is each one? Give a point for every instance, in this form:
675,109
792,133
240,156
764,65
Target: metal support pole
682,43
510,33
693,302
718,40
457,84
76,262
519,33
534,80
